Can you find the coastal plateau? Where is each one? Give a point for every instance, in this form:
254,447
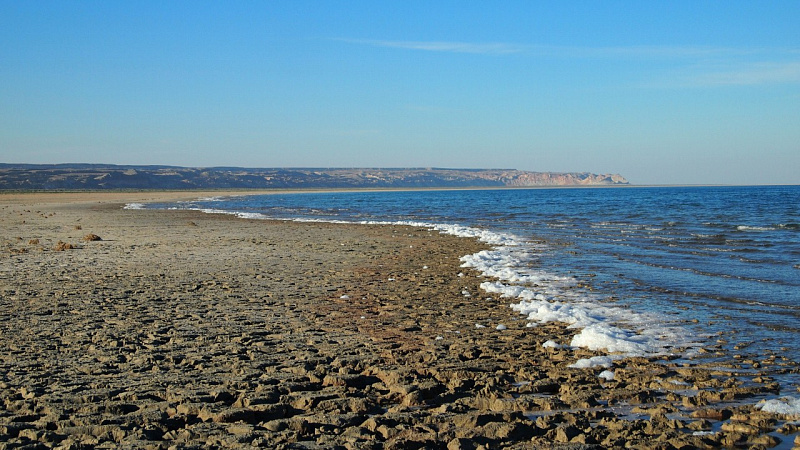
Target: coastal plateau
101,177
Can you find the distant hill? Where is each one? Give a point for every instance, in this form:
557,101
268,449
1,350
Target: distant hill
104,176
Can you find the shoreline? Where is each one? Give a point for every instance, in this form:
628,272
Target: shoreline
189,194
186,328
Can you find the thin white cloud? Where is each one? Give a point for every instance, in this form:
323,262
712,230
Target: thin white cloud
562,51
442,46
705,66
749,74
645,51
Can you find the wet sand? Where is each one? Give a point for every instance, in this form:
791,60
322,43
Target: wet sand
179,329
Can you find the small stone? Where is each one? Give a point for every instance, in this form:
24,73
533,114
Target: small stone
766,440
566,433
712,414
461,444
61,246
739,427
699,425
240,429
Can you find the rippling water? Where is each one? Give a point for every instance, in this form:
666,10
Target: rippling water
717,259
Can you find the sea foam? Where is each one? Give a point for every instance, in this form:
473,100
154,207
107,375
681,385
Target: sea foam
539,295
544,297
788,405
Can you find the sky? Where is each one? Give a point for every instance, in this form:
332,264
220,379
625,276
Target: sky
669,92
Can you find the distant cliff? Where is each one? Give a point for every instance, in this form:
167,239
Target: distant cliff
101,176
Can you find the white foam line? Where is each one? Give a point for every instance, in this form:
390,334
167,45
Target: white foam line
539,292
541,296
545,297
789,406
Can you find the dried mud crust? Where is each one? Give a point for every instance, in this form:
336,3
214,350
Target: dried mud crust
181,329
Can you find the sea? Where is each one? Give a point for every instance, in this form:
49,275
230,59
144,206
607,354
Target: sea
699,272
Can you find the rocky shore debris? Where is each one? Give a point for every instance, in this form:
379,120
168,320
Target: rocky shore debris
239,334
61,246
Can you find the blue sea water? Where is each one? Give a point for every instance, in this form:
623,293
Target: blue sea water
719,264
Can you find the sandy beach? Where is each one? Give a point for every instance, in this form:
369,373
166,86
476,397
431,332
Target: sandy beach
178,329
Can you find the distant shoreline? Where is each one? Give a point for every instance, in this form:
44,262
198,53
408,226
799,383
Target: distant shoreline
112,177
191,193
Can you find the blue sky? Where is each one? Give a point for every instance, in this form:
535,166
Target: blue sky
660,92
